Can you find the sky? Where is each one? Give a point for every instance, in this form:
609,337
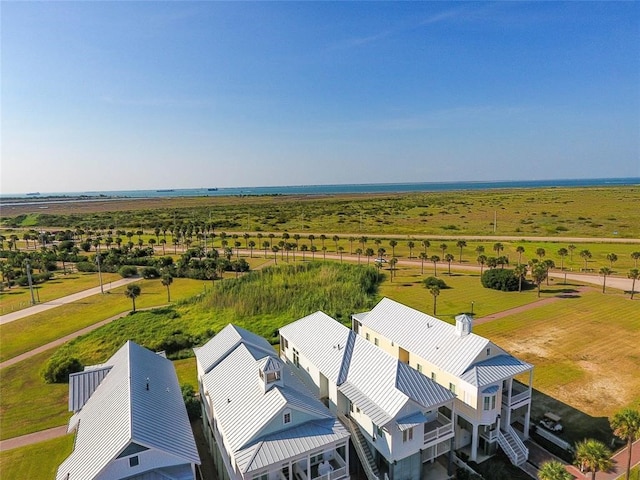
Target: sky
148,95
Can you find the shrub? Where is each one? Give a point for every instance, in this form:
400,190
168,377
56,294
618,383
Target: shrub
128,271
86,267
57,370
434,282
150,272
191,401
500,279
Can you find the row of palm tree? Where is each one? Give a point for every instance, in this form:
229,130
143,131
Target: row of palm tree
592,455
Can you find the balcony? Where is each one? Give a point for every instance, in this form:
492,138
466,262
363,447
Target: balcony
438,429
332,469
520,394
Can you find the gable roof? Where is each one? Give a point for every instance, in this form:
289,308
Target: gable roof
121,410
83,384
375,381
495,370
219,346
428,337
243,409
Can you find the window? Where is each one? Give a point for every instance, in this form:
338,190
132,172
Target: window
433,376
367,336
452,388
264,476
419,367
272,376
489,402
287,417
377,431
375,341
488,351
296,358
284,342
407,435
134,461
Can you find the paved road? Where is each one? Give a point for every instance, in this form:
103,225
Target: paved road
43,307
36,437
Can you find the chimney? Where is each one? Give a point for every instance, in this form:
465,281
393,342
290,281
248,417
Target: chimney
463,325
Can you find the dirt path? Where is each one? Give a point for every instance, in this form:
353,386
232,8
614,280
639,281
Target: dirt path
43,307
36,437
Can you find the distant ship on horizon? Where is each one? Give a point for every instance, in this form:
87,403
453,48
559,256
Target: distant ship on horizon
213,189
166,190
33,194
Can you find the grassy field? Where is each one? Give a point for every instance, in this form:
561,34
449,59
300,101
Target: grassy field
577,212
61,285
36,462
36,330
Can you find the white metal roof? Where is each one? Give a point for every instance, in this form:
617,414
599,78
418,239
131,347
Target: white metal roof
495,370
243,409
83,384
375,381
122,410
297,441
224,342
415,419
426,336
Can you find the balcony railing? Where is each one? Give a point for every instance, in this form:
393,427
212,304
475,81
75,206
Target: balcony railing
517,398
437,429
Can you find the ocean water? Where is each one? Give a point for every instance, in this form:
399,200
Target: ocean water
335,189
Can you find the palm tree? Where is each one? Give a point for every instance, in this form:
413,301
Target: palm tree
461,244
449,258
634,274
313,249
635,256
304,248
571,248
520,250
539,273
392,265
311,238
626,426
480,249
593,456
167,280
423,257
359,253
482,259
271,237
340,250
562,252
541,252
252,245
425,244
435,259
275,249
351,240
553,470
498,247
411,246
369,253
336,239
443,247
586,255
604,271
521,271
246,240
435,291
612,257
393,245
323,237
132,291
549,264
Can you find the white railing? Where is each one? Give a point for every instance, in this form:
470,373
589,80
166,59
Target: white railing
360,449
519,442
491,435
439,432
519,397
506,446
339,473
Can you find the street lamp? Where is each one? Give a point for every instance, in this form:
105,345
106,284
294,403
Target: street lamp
472,302
99,273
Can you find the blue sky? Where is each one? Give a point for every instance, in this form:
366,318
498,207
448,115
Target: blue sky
146,95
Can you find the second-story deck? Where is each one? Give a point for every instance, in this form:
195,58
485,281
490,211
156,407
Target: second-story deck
438,429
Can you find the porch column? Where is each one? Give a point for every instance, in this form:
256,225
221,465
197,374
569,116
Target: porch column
308,467
346,456
527,419
510,392
474,442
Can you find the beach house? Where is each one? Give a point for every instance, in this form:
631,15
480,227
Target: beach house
401,421
260,421
130,421
493,388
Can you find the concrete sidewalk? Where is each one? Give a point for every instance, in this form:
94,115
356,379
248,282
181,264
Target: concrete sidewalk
43,307
36,437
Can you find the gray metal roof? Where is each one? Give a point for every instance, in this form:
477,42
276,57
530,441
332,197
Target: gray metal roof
83,384
326,350
376,382
224,342
405,423
427,336
122,410
243,409
297,441
494,370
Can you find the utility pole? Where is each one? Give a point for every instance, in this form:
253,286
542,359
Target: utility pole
99,273
28,268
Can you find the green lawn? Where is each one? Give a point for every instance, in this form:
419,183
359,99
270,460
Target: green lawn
39,461
31,332
61,285
27,403
187,372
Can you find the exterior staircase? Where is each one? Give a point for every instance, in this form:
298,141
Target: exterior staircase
511,444
362,448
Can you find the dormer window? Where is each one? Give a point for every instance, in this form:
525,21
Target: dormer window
286,418
488,351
